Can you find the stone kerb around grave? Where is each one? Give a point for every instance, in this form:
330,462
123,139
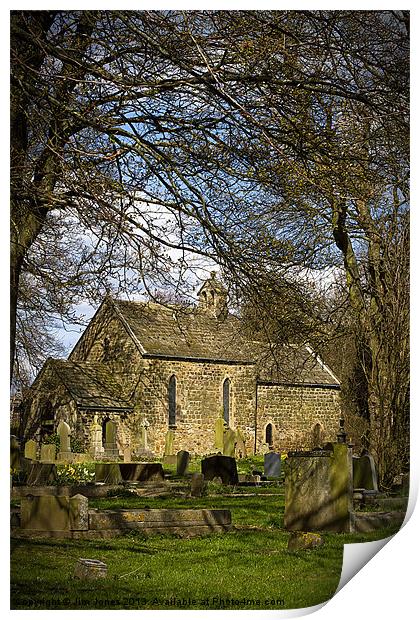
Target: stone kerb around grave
70,517
319,490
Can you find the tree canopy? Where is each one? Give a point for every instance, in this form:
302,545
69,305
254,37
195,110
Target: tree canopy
272,142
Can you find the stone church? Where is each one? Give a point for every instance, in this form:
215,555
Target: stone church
151,368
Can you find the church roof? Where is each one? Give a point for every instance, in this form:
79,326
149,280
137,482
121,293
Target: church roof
185,333
293,365
91,385
176,332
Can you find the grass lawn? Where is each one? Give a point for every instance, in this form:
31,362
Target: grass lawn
249,568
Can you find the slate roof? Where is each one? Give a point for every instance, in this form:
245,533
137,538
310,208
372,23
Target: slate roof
91,385
163,331
181,333
293,365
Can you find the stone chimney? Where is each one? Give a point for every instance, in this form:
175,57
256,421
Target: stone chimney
212,298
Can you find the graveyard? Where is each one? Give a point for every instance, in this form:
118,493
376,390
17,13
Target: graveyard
184,531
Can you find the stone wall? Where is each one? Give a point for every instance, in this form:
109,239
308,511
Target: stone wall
294,413
199,402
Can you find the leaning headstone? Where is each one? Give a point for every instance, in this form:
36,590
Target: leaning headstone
90,569
47,453
364,473
219,429
183,460
30,450
14,453
272,465
169,443
229,441
127,454
197,485
220,466
319,490
79,512
41,474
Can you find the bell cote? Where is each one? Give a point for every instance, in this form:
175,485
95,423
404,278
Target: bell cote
212,298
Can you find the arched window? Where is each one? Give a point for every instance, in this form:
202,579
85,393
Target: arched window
226,400
269,435
172,401
104,423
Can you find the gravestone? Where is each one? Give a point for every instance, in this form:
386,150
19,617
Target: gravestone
79,512
170,459
183,460
249,479
364,473
169,443
220,466
143,445
14,453
127,454
141,472
111,448
41,473
229,441
115,473
46,513
95,438
272,465
108,473
63,431
319,490
240,449
197,485
47,453
219,429
30,450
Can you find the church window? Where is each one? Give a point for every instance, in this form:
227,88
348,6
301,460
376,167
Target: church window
226,400
269,435
172,401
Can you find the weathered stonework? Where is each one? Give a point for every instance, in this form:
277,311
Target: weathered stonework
150,369
294,412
